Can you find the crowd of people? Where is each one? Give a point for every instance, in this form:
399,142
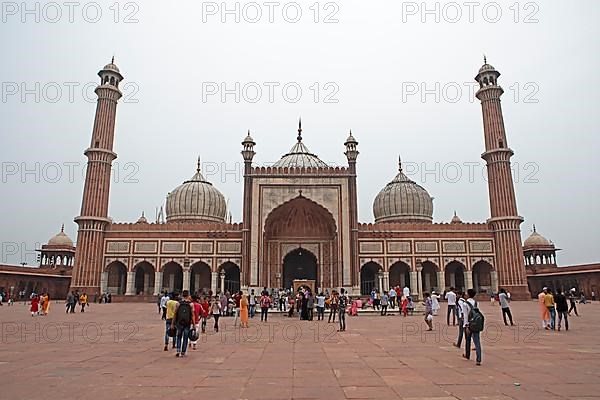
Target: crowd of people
558,303
75,299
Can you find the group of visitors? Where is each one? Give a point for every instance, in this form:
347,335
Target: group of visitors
5,297
555,303
74,299
388,300
470,321
40,304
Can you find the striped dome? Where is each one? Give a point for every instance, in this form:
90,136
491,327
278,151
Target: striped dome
300,156
402,200
196,200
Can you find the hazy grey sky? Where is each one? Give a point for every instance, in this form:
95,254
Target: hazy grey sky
398,76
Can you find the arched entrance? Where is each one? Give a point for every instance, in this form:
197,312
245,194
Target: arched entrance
231,277
117,278
429,277
200,280
144,278
455,275
294,223
173,277
482,277
400,276
369,279
299,264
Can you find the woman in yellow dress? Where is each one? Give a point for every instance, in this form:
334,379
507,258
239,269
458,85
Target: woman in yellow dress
46,305
244,311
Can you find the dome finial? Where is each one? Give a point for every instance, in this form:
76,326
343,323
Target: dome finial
534,230
484,59
455,213
112,61
399,163
198,165
299,129
62,228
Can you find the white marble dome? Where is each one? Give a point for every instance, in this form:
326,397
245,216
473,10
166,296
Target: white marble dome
196,200
299,156
403,200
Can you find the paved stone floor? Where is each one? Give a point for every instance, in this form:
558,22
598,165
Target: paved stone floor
115,351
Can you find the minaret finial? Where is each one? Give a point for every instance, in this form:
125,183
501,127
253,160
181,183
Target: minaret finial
399,163
112,61
198,165
299,129
455,213
484,59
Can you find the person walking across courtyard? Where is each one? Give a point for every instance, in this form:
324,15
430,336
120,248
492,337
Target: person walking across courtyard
384,303
170,313
504,304
573,302
215,310
462,309
428,311
333,306
320,306
451,297
545,315
342,305
473,323
549,303
83,299
265,304
562,309
183,320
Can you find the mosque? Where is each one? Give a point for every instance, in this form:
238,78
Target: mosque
300,222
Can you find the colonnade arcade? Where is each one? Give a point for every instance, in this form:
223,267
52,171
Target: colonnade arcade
144,278
427,277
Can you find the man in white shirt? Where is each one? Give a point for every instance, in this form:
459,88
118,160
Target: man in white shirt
462,309
163,305
406,291
451,297
392,298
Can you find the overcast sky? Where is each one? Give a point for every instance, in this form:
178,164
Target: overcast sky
400,77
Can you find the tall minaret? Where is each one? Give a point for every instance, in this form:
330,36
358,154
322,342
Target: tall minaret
248,154
352,154
504,221
93,220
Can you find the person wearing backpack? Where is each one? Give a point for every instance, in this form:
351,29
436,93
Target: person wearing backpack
473,324
183,319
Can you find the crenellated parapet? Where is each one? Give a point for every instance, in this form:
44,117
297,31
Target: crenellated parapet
415,226
300,171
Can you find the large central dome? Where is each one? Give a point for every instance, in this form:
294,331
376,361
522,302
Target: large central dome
402,200
300,156
196,200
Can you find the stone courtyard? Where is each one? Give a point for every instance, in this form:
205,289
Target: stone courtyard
115,351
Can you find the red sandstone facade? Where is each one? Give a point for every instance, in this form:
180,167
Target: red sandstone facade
300,221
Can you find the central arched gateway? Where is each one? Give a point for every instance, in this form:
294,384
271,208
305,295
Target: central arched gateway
299,264
300,242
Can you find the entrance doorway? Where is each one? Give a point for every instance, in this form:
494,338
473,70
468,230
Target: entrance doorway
299,264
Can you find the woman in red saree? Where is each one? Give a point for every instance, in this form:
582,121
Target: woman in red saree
35,303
